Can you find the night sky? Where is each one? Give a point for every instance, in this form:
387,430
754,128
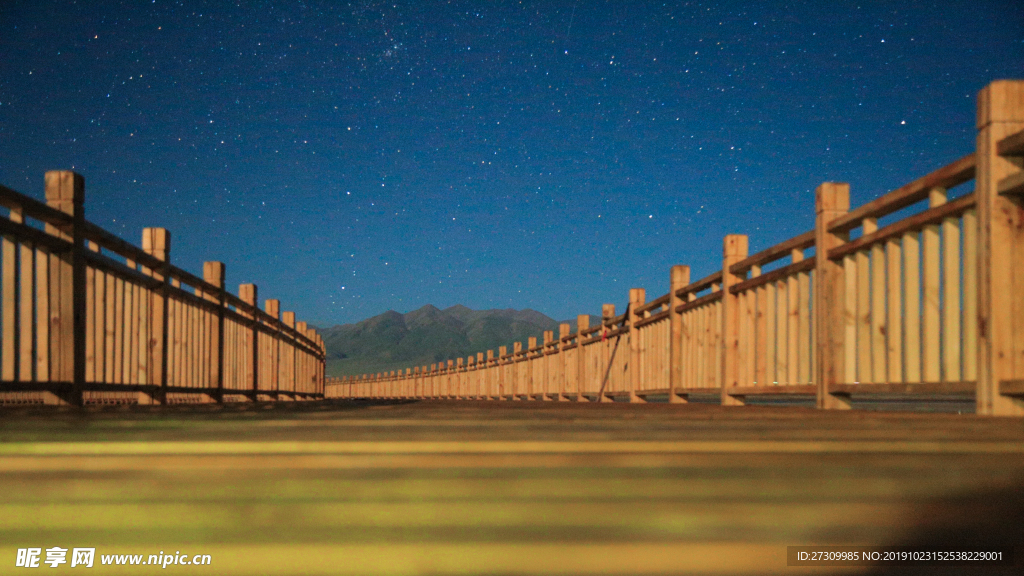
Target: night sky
351,158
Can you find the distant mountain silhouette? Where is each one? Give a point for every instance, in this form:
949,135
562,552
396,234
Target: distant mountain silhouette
392,341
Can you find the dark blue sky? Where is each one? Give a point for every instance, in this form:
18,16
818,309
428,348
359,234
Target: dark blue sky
351,158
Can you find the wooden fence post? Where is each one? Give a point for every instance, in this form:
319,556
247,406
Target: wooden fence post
734,249
157,243
213,273
582,323
832,200
637,298
273,360
247,294
679,278
1001,255
65,191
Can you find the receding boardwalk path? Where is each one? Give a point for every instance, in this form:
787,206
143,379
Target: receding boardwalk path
501,488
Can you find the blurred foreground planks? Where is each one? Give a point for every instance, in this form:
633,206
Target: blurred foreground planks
501,488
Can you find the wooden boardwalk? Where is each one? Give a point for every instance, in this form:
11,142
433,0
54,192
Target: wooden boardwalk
501,488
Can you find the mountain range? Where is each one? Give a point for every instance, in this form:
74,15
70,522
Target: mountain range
393,341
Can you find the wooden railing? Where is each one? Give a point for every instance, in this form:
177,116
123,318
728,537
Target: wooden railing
87,317
929,303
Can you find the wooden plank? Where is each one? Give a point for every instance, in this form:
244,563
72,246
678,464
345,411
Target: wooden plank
32,208
761,336
912,306
850,318
9,303
42,319
793,326
1001,242
653,304
894,299
1012,186
865,348
864,372
948,176
90,322
157,243
698,302
951,308
782,331
781,389
689,348
718,345
702,284
701,351
142,355
1012,388
780,250
26,313
743,377
633,380
1012,145
931,317
654,318
118,331
908,388
771,342
774,275
878,314
831,341
132,349
804,328
933,215
970,297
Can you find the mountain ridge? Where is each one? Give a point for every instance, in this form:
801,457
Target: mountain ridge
394,340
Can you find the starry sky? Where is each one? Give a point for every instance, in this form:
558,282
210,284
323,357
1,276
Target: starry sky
351,158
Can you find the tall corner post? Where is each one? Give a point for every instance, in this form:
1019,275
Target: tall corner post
831,200
734,249
157,243
1001,254
679,279
65,191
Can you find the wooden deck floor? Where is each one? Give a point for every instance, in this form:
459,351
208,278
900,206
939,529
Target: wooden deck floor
502,488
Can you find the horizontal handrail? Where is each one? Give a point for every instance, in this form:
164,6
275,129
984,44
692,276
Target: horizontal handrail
699,285
948,176
768,255
777,274
33,208
34,235
656,303
653,318
706,299
1012,145
930,216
